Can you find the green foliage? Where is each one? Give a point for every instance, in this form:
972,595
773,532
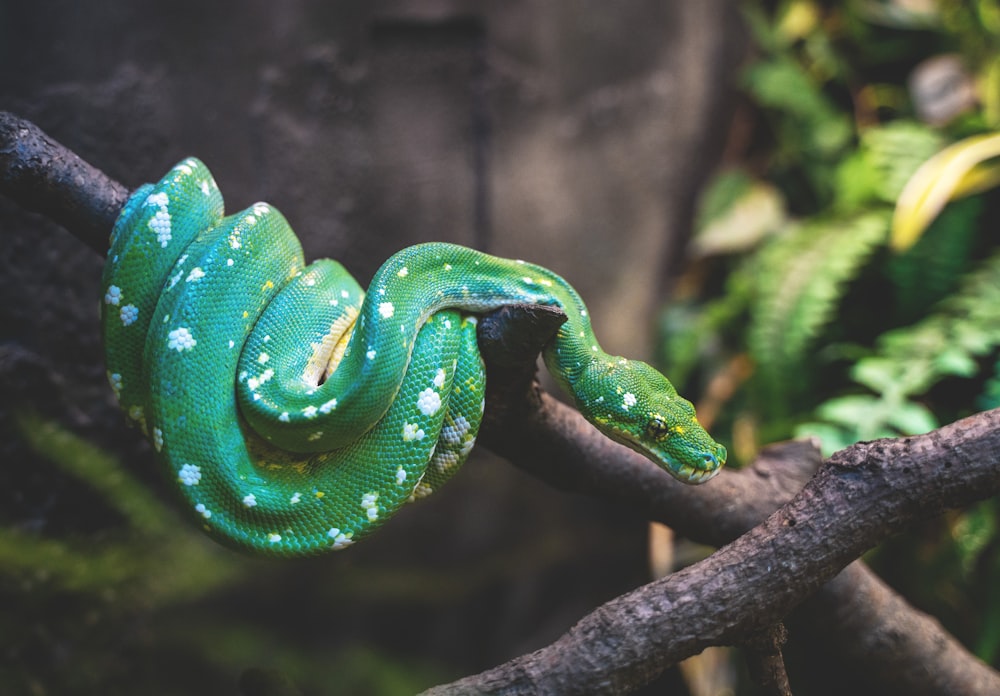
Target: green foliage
850,339
137,609
801,279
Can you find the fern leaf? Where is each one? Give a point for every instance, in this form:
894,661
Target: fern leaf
933,267
802,277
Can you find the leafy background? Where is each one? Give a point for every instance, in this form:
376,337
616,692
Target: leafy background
802,315
796,317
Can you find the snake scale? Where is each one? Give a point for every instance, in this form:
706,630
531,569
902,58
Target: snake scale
296,412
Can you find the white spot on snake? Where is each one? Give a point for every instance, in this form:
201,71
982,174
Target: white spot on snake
519,261
447,267
527,281
370,354
296,497
381,291
334,303
185,167
628,401
202,510
232,344
195,274
600,399
261,208
443,461
283,417
157,439
129,314
159,200
400,476
250,500
274,538
447,323
115,380
189,475
328,406
205,188
135,413
454,434
263,358
472,321
439,378
229,262
242,376
428,401
315,436
403,272
181,340
174,279
234,240
583,312
250,220
309,412
267,338
113,295
411,432
253,383
386,310
340,540
368,501
160,225
422,490
594,348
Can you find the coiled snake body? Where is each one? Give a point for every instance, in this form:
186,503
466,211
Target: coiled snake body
346,405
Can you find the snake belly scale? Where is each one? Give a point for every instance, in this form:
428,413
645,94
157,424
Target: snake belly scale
295,411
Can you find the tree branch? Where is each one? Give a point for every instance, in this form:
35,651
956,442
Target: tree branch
862,495
43,176
871,626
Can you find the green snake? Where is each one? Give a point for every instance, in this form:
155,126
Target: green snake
296,412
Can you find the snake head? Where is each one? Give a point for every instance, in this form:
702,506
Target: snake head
632,403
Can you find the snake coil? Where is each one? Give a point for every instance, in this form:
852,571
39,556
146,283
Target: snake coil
296,412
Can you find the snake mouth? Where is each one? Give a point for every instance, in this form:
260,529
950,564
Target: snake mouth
709,465
689,474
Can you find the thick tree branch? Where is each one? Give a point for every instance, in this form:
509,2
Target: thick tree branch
43,176
862,495
870,625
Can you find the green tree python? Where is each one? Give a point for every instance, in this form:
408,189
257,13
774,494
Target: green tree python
296,412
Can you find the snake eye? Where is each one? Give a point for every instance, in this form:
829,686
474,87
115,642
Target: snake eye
656,429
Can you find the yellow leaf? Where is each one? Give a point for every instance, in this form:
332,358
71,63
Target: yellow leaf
958,170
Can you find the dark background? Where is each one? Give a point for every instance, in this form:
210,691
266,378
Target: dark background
573,134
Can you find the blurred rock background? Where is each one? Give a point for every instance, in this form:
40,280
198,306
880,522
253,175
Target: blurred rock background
573,134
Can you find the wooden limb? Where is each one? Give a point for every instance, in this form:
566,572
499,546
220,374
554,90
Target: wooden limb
41,175
765,662
862,495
